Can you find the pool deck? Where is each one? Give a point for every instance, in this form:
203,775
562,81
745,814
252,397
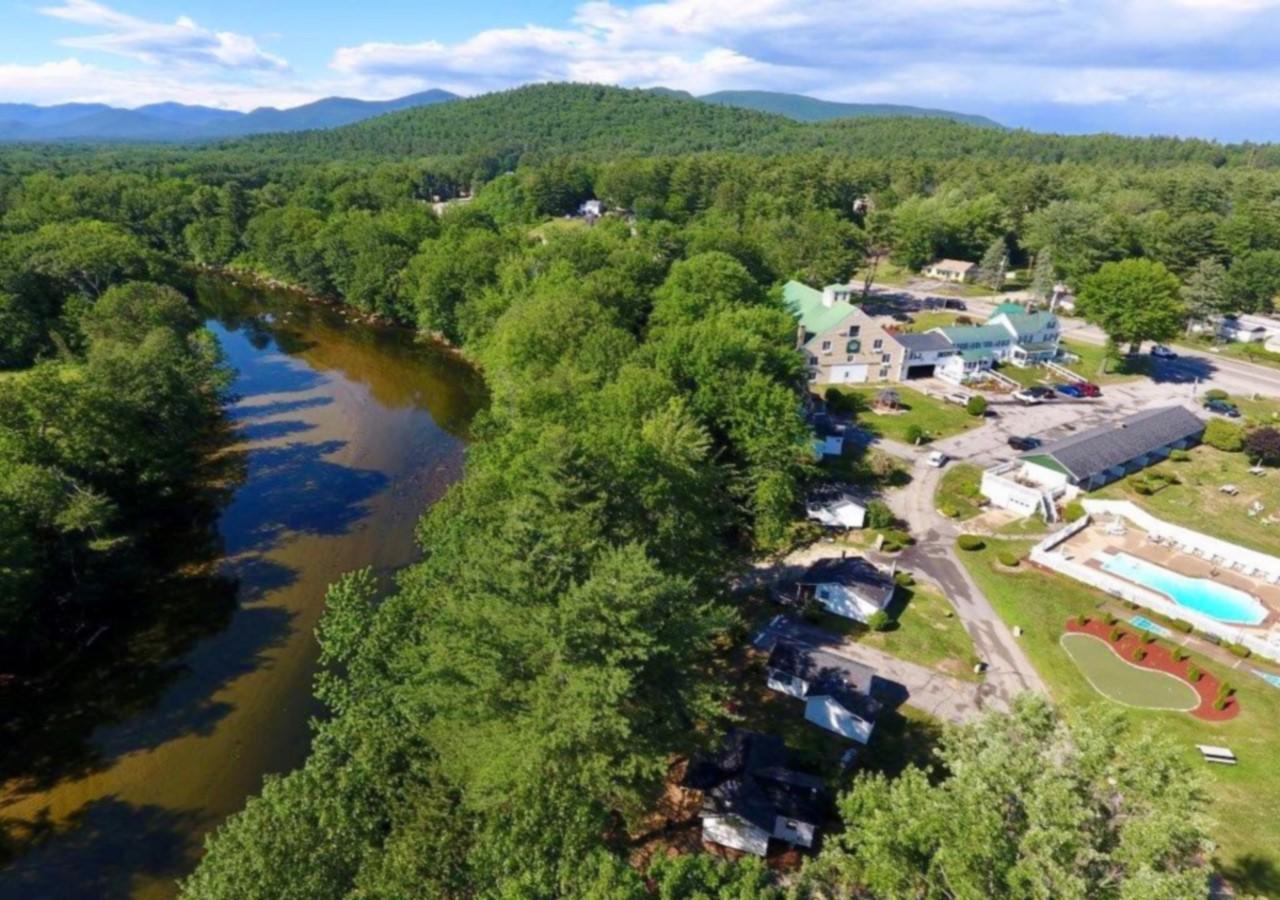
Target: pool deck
1098,539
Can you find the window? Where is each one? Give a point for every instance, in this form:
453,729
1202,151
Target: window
854,330
878,344
826,346
853,346
884,373
886,357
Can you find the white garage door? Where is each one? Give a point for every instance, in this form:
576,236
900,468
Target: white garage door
849,374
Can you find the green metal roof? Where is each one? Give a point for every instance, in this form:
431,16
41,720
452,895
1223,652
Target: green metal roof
1028,323
1015,309
805,303
976,355
970,334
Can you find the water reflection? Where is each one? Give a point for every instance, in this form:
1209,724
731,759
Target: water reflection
342,434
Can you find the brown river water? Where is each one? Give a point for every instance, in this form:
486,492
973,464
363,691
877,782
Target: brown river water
345,433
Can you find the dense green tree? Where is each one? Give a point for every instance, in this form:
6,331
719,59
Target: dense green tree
85,256
1205,291
1088,810
1253,281
1134,300
994,263
1043,276
696,286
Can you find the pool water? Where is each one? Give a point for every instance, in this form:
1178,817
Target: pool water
1202,595
1147,625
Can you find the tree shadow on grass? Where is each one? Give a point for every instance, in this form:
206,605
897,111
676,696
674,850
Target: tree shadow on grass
1252,874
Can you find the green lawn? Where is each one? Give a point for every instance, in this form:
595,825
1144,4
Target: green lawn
1031,526
960,491
1197,503
936,418
867,467
1254,353
1120,680
924,321
1094,365
1262,411
1244,799
926,631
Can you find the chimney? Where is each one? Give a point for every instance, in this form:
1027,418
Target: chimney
829,296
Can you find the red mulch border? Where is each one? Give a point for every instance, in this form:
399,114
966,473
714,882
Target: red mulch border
1160,658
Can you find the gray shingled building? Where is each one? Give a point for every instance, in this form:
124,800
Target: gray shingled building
1099,455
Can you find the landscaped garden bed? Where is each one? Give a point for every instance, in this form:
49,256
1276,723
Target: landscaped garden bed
1132,651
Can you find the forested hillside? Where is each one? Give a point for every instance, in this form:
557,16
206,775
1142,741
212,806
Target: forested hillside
811,109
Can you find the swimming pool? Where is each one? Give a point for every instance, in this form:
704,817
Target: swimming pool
1207,597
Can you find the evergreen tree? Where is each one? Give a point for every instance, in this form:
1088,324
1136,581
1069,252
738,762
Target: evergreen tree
994,263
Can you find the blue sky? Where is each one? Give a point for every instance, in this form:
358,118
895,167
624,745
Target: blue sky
1189,67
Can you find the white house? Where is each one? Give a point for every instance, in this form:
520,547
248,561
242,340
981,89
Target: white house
850,587
954,270
835,508
836,691
751,797
1242,331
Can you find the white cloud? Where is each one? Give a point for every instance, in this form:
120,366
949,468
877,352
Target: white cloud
181,42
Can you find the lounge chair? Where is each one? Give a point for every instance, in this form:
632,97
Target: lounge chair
1217,754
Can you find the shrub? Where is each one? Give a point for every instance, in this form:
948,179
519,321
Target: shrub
811,611
1139,654
904,579
1193,673
1263,445
1109,618
1073,511
1240,650
879,515
834,397
878,620
1216,394
1139,484
1182,625
1226,689
1179,455
1081,620
1179,654
948,510
914,434
970,542
1148,637
1224,436
1116,634
977,405
1220,703
893,540
1009,558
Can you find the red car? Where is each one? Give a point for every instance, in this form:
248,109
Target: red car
1089,389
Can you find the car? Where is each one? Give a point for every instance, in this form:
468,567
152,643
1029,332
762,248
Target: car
937,459
950,303
1069,390
1039,390
1028,398
960,398
1160,351
1023,444
1089,388
1223,408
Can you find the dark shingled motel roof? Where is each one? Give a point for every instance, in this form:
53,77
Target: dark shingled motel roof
1096,450
923,342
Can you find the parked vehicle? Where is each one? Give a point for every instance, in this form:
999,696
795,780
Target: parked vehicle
937,459
960,398
1223,408
1044,393
1160,351
1089,388
1027,398
1069,390
950,303
1023,444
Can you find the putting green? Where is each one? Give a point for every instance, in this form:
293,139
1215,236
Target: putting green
1120,680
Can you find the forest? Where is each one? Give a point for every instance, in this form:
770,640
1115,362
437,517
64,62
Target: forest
499,724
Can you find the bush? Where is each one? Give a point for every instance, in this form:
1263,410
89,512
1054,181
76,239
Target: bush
1224,436
1263,445
1139,654
948,510
1116,634
904,579
977,405
1240,650
1227,689
1179,654
970,542
1193,673
1148,637
893,540
1182,625
1220,704
1009,558
914,434
1109,618
1179,455
1073,511
879,515
878,620
1216,394
812,611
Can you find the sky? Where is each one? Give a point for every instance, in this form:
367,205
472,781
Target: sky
1186,67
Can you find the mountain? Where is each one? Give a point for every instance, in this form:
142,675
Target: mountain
182,122
811,109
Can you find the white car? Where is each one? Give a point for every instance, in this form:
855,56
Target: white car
937,459
1028,398
960,398
1160,351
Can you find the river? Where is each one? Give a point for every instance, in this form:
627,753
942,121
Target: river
345,433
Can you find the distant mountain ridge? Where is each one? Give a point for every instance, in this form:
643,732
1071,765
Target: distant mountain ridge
183,122
810,109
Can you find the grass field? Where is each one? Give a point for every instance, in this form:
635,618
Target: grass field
1120,680
936,418
1262,411
1244,799
924,321
960,491
1094,365
1254,353
1197,503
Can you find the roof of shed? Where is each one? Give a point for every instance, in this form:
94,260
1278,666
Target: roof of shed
1096,450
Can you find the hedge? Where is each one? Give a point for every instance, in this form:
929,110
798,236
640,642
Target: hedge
970,542
1009,558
